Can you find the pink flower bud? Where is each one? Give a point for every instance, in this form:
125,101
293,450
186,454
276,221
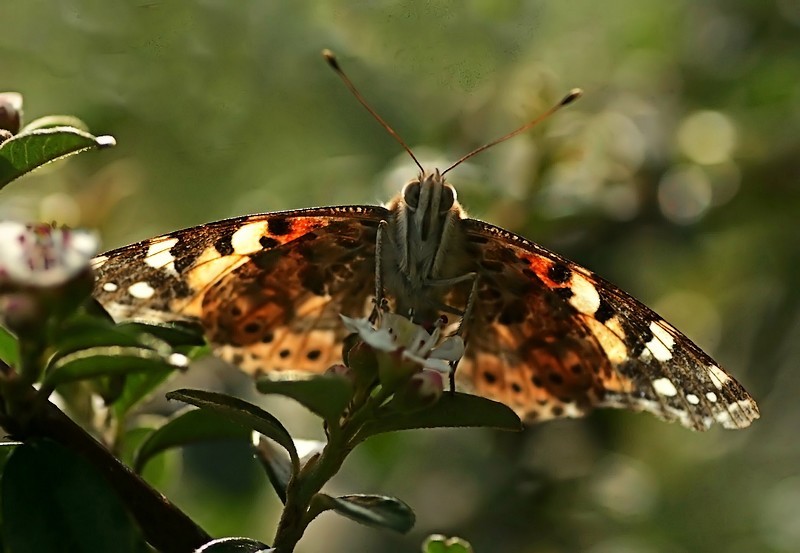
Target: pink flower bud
422,390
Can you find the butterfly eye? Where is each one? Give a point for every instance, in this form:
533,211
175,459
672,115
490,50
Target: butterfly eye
411,194
448,199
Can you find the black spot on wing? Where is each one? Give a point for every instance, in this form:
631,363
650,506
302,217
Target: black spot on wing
182,263
636,342
268,242
604,311
223,244
559,273
279,226
564,293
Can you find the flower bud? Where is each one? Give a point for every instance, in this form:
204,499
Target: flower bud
361,358
21,313
422,390
394,369
10,111
350,341
341,371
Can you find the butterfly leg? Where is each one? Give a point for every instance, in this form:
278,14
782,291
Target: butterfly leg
379,299
462,327
469,307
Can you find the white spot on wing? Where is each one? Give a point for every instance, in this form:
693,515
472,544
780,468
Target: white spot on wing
718,376
571,410
662,411
159,257
665,387
738,414
110,287
584,295
178,360
99,261
246,240
125,312
711,396
661,344
141,290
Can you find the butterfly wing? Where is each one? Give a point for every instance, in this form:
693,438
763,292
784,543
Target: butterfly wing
267,289
552,339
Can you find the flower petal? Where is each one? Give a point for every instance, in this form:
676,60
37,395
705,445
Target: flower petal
355,325
451,349
377,338
437,365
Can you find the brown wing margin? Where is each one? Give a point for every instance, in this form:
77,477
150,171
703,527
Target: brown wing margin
656,368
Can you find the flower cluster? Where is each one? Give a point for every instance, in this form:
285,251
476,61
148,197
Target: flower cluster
40,256
410,360
41,271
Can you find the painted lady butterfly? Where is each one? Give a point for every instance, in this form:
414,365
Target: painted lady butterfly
545,336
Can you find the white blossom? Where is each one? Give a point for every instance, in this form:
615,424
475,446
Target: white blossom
43,256
395,333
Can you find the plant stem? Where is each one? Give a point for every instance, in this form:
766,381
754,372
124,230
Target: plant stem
316,472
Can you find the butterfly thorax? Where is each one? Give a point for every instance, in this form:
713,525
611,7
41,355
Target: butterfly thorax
424,244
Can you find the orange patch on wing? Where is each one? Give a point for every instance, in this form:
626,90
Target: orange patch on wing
541,265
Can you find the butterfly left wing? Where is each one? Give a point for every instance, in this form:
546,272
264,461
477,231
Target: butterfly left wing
267,289
552,339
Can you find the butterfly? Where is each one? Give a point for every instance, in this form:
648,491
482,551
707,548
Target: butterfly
543,335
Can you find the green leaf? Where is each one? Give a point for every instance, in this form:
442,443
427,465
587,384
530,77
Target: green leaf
84,332
108,361
27,151
437,543
137,387
235,545
373,510
276,464
9,352
452,411
52,500
49,121
175,334
324,395
6,449
162,470
242,413
189,426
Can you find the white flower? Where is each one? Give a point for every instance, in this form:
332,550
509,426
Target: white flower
395,333
43,256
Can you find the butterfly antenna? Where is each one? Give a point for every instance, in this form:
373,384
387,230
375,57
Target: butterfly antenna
571,96
330,57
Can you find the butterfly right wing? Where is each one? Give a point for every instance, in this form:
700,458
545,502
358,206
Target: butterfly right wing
552,339
267,289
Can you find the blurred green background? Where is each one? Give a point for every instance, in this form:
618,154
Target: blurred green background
675,177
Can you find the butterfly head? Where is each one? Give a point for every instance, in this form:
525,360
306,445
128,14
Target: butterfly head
429,203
